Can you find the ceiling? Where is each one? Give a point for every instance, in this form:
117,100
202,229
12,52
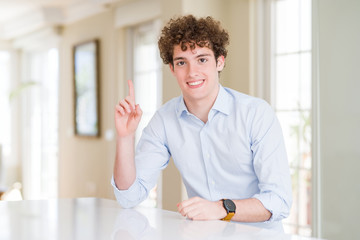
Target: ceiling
19,17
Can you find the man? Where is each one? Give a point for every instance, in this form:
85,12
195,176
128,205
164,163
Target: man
227,146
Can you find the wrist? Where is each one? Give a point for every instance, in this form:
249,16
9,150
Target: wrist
222,210
126,138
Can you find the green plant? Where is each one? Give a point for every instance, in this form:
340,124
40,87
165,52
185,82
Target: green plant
20,88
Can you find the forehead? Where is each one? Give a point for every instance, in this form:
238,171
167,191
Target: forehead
178,52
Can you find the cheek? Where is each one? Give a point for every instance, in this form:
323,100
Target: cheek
180,74
180,79
214,73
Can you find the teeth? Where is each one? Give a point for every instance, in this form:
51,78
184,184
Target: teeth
195,83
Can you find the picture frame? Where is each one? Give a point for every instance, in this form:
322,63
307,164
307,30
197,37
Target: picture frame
86,88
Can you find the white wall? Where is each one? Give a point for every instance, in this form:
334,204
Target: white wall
85,164
339,98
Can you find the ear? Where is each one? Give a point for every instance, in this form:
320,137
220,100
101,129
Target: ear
220,63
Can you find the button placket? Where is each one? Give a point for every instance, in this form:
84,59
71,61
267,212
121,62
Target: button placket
207,158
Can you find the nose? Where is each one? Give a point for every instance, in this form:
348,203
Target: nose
193,70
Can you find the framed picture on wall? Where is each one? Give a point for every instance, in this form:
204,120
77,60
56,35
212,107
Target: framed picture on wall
86,89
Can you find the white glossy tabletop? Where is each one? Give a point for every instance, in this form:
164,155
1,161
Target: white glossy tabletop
92,218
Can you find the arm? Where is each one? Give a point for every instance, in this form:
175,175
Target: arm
247,210
136,174
127,118
273,200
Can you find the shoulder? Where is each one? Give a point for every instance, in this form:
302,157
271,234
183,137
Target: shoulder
247,102
166,112
163,116
170,107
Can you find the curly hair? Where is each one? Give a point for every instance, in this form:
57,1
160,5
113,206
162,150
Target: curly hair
192,32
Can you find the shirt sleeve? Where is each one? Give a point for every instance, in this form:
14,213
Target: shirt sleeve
151,157
271,163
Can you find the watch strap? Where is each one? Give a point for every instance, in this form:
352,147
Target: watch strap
228,217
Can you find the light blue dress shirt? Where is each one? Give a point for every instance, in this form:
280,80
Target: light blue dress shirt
238,153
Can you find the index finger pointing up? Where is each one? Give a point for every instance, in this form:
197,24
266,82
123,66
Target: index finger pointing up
131,91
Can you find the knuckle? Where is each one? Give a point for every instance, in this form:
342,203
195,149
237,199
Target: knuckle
197,198
119,108
122,102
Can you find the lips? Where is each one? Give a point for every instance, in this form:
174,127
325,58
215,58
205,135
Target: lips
195,84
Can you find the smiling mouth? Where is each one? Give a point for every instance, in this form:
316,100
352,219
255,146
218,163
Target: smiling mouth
196,83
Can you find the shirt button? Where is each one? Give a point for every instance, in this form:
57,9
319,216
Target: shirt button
207,155
213,182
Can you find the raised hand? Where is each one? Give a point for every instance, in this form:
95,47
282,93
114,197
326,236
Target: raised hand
127,114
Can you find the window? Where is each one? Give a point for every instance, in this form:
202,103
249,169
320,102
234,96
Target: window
6,161
39,114
29,122
291,98
146,74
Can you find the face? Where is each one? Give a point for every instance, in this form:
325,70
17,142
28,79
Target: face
196,72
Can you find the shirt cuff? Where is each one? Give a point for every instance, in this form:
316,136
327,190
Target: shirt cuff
274,205
130,197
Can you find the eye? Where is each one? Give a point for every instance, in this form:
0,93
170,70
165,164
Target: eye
180,63
203,60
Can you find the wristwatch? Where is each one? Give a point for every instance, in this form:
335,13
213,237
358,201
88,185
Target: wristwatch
230,208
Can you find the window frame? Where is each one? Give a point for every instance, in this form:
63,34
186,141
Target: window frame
262,65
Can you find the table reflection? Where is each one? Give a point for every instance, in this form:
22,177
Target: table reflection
144,223
94,219
202,230
132,225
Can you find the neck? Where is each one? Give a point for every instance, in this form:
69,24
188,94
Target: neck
201,107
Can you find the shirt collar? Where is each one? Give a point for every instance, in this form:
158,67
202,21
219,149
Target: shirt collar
222,103
181,108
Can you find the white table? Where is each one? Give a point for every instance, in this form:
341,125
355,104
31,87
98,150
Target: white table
100,219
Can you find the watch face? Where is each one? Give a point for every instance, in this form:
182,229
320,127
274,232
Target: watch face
229,205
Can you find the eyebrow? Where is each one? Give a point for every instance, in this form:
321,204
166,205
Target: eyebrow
178,58
198,56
